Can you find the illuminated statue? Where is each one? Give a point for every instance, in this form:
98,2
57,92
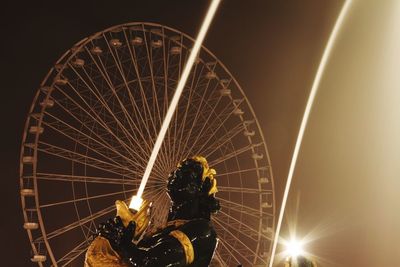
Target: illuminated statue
188,238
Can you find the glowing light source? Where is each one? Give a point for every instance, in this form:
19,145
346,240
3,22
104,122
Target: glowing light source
294,248
304,121
175,99
136,202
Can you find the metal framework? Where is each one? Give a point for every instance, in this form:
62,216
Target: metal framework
92,126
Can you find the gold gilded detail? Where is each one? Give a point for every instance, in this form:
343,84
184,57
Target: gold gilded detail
141,218
186,244
101,254
208,172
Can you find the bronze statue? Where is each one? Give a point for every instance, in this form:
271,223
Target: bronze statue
188,238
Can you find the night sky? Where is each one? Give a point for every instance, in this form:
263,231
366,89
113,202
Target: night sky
272,48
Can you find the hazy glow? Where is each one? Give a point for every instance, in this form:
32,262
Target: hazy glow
304,121
174,102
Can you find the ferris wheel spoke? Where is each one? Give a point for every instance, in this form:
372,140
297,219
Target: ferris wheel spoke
243,171
84,159
174,150
97,150
164,202
157,195
137,111
75,224
245,229
218,123
73,254
98,95
118,64
128,136
165,148
149,62
188,104
146,109
135,108
95,118
205,124
219,259
235,153
198,112
249,231
103,101
243,209
164,159
83,179
221,141
84,139
91,179
84,123
228,248
238,225
84,199
145,141
232,189
133,57
238,240
160,210
152,190
156,106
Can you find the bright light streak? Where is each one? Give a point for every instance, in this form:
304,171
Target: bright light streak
136,202
304,121
174,102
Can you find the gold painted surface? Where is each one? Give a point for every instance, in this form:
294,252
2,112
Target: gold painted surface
186,244
101,254
208,172
141,218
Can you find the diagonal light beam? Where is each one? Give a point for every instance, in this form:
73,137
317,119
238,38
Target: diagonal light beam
310,101
136,200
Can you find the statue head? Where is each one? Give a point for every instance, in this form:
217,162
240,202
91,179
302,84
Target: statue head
194,182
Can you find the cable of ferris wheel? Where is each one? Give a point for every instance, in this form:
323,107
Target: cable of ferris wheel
310,101
137,199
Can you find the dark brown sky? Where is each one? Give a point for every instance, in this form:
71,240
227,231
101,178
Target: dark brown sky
272,47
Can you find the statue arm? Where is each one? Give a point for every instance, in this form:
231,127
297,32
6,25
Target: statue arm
193,242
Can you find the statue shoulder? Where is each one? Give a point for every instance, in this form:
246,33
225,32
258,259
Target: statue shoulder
198,228
202,235
203,240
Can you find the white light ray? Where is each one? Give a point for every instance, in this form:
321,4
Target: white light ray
174,102
304,121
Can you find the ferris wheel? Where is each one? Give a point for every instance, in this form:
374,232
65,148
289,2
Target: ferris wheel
91,129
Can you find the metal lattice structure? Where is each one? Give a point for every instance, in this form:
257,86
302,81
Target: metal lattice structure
92,126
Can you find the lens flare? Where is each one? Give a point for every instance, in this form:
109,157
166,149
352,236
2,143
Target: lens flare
294,248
